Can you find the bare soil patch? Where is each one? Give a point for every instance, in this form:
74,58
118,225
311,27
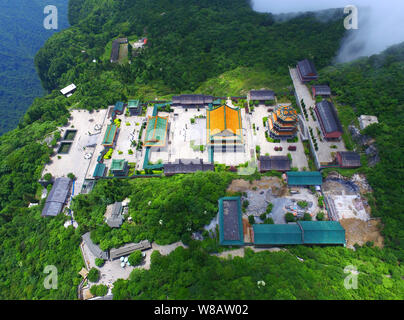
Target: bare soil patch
278,188
360,232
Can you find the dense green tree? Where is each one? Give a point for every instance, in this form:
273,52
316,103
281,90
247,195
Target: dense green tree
99,290
99,262
194,274
93,275
135,258
289,217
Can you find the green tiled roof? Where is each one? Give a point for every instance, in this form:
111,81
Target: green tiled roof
117,165
303,232
110,135
156,132
133,103
323,232
99,170
277,234
304,178
119,106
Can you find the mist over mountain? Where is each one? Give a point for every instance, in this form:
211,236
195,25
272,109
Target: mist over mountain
380,22
22,34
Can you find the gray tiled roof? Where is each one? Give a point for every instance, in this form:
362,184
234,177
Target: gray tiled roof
230,220
187,166
128,249
350,159
186,99
328,116
95,249
280,163
322,90
262,95
57,197
307,68
115,220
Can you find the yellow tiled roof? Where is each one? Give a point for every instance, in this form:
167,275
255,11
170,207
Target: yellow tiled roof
224,118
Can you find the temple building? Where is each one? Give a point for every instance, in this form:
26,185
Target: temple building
110,136
306,70
156,132
330,125
192,101
119,168
135,107
262,96
348,159
321,90
283,122
224,129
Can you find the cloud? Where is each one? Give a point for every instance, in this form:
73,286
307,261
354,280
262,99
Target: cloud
381,22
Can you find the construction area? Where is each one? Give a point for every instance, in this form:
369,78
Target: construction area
235,229
274,190
346,199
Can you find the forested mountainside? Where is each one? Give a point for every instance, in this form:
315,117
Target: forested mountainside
22,34
192,43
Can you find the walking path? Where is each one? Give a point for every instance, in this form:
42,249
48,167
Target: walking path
325,151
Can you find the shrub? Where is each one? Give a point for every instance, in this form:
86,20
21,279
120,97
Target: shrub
269,208
47,177
71,176
307,217
135,258
269,221
93,275
320,216
108,154
57,135
302,204
192,121
99,290
289,217
117,122
130,151
99,262
251,219
321,201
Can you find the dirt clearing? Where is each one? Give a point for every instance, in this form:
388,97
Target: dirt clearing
360,232
278,188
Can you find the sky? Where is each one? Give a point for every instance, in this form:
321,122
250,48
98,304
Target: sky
381,22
